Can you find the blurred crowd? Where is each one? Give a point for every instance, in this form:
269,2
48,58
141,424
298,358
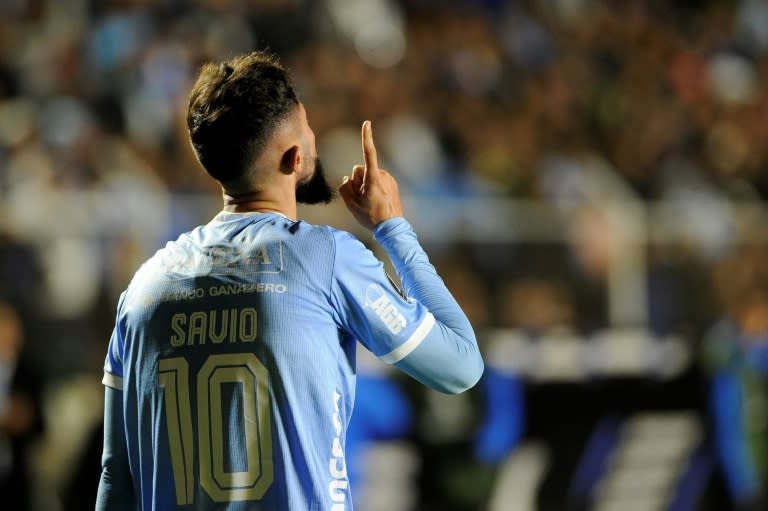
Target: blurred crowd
557,156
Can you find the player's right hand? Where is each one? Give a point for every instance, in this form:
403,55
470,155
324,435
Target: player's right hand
371,194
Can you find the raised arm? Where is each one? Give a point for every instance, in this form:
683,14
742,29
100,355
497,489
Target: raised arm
447,357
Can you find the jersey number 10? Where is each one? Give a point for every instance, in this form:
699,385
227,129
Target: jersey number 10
252,378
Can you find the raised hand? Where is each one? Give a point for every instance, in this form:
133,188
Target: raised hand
371,194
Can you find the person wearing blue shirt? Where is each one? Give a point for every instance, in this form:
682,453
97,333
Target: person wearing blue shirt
735,357
230,373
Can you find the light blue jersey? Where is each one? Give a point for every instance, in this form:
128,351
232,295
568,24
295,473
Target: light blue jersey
233,356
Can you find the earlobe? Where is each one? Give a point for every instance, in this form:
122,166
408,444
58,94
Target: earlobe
291,160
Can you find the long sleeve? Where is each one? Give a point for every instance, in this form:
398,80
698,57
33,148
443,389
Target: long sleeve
448,359
116,491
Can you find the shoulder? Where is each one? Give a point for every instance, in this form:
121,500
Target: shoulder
319,233
166,262
338,249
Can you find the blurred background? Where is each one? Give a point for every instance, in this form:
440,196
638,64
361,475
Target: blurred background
588,176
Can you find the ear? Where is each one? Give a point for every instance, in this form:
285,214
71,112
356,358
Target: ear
292,160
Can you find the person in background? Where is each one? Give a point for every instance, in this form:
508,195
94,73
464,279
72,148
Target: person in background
735,356
20,410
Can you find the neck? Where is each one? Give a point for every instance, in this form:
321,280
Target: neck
257,202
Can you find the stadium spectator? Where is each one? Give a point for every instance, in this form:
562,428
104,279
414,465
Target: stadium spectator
21,418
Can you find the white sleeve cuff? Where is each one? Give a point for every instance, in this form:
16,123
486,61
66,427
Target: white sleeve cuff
402,351
110,380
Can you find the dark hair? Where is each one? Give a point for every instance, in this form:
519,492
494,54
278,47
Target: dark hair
234,107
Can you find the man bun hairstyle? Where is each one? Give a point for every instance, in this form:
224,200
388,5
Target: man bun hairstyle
234,107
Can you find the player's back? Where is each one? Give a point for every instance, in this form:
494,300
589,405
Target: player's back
237,382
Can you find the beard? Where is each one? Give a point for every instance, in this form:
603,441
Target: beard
316,189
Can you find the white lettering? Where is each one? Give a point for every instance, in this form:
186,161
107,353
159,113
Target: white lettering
336,449
254,287
186,294
388,313
336,490
229,256
260,256
337,466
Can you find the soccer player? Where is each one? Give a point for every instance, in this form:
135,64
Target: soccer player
230,374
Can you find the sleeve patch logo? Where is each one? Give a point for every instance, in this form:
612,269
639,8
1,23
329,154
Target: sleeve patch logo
378,301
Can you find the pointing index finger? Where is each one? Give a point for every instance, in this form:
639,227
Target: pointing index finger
369,150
